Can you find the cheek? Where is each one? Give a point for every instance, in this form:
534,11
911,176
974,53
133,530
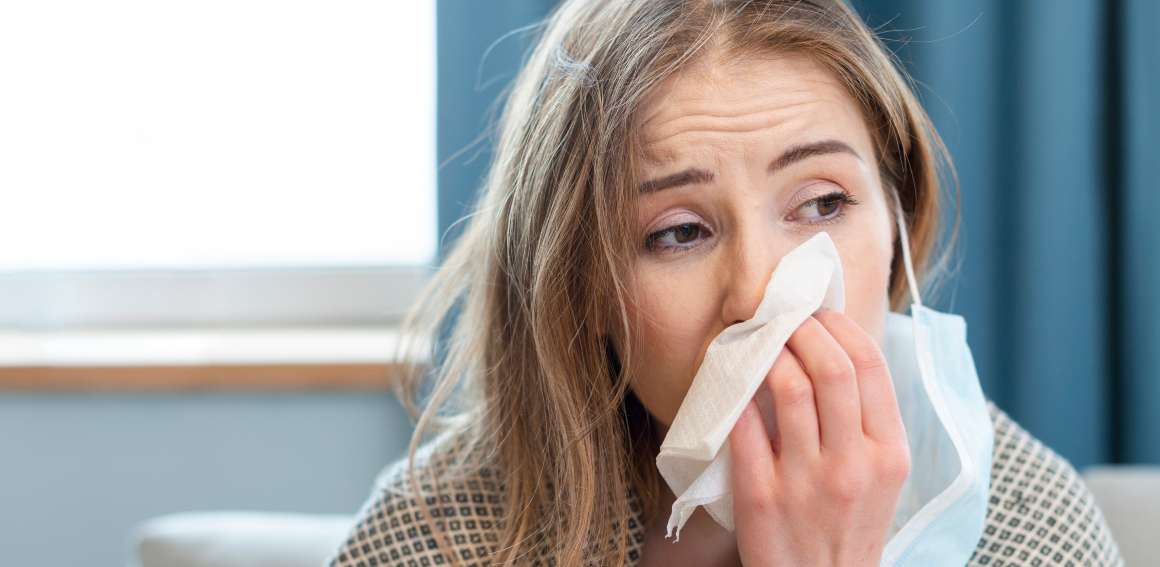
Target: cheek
867,250
866,270
671,320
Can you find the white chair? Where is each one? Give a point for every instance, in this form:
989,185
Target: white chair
240,539
1130,499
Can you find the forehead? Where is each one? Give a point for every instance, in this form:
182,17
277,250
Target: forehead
722,99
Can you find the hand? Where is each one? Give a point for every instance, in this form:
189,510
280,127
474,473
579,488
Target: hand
824,489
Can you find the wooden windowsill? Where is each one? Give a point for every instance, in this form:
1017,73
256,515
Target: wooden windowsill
168,360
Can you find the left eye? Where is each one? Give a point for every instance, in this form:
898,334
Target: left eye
676,237
825,207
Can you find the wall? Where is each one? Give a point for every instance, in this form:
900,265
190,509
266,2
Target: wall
77,472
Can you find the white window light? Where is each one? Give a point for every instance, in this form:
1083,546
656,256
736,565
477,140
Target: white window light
214,162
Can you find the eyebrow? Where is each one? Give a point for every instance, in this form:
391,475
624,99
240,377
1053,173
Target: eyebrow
693,176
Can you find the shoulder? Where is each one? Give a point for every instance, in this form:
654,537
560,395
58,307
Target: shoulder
1040,511
465,503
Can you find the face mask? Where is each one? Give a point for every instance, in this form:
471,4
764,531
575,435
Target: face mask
942,505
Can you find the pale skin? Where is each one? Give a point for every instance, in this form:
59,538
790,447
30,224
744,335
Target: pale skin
820,455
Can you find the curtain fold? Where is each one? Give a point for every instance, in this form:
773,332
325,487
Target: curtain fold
1139,344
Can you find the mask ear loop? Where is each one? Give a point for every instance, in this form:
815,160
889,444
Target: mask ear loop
911,281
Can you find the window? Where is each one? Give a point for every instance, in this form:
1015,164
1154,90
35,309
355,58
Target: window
215,162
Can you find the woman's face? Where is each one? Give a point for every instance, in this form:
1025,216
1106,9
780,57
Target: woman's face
745,160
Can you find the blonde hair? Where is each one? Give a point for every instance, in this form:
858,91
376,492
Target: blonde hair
529,296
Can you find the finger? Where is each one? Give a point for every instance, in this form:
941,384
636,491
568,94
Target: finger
835,385
751,457
794,409
881,419
764,400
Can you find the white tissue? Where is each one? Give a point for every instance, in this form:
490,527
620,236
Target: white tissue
694,457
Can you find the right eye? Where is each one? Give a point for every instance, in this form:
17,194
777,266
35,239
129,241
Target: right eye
676,238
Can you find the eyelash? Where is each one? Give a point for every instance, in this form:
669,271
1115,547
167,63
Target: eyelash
843,198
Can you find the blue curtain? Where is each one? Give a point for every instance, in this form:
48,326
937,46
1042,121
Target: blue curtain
1050,111
478,53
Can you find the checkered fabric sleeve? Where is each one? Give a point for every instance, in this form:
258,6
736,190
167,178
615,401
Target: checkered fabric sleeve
390,530
1040,512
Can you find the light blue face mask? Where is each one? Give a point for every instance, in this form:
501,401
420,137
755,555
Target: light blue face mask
943,504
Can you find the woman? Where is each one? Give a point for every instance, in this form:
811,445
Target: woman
656,159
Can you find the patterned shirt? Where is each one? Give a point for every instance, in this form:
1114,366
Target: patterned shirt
1040,513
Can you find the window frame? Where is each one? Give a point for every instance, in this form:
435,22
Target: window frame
322,296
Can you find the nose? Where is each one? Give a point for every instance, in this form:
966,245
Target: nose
745,278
